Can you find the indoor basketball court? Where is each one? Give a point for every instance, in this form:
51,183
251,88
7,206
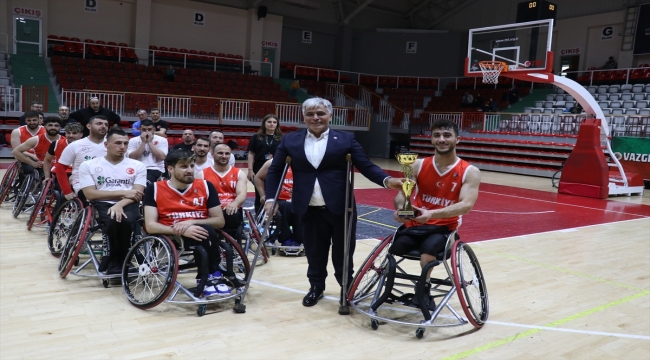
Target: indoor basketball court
567,276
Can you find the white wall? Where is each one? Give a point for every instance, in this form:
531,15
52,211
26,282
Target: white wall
273,32
113,20
172,25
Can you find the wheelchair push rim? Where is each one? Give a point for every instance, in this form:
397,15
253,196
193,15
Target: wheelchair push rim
24,192
470,284
75,242
155,260
61,225
46,193
8,181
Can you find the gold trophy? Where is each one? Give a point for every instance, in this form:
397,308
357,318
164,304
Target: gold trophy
406,159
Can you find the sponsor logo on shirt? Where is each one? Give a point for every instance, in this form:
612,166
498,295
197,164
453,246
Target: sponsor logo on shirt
98,169
88,157
110,182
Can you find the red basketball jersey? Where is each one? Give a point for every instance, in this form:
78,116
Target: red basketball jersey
25,134
174,206
287,186
436,191
59,146
42,146
226,186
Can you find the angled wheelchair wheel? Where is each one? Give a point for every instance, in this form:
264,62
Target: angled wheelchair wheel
39,206
24,192
254,238
370,271
62,221
8,180
75,242
240,260
149,271
470,284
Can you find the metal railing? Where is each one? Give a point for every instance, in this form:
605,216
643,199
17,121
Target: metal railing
174,107
591,74
33,93
11,99
289,113
186,57
234,110
76,100
386,111
355,77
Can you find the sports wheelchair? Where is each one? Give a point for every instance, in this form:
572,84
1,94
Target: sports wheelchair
249,237
22,193
378,281
83,233
63,218
271,243
150,274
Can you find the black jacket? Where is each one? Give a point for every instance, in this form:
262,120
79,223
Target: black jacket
82,116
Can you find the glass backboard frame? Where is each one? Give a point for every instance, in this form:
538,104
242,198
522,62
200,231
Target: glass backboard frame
513,55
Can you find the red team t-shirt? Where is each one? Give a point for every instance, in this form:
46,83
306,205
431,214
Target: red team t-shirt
287,186
25,134
226,186
174,206
436,191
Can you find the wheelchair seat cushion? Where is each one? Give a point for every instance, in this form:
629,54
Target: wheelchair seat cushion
411,242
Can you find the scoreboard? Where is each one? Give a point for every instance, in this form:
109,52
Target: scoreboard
536,10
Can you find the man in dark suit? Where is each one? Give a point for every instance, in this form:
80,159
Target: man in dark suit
319,175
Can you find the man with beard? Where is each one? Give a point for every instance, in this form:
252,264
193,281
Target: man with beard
39,144
202,160
64,114
190,208
150,149
116,184
160,126
188,141
230,183
36,106
73,132
84,115
217,137
447,188
79,151
21,134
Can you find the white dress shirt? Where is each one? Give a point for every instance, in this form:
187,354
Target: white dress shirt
315,151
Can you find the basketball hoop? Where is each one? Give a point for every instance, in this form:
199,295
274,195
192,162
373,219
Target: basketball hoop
491,71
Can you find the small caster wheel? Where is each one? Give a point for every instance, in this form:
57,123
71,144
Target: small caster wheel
105,283
201,310
419,333
374,323
239,308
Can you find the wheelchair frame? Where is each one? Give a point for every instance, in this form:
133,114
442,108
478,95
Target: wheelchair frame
159,253
61,224
379,286
275,248
9,182
46,202
86,227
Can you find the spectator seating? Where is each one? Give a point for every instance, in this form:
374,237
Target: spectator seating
408,99
451,99
94,49
637,75
398,82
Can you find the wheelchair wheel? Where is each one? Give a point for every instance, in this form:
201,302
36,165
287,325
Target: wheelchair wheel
62,221
470,284
370,271
240,260
149,271
8,180
24,192
255,236
75,242
39,204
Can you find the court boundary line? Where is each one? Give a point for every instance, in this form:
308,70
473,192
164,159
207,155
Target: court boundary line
554,324
562,203
535,328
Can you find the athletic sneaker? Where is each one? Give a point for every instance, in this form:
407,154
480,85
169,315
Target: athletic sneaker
209,291
215,276
289,242
222,289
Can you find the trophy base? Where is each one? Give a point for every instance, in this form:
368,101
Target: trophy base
406,214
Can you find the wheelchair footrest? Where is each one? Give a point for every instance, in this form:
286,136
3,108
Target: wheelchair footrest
407,300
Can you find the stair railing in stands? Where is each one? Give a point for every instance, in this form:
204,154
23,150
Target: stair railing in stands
76,100
582,76
174,107
355,77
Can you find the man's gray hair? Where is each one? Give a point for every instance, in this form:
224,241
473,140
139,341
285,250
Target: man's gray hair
316,102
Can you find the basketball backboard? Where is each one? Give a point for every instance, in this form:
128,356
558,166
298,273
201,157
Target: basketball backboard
524,47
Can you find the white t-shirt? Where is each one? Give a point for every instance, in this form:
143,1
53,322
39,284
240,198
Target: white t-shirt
198,168
76,153
147,157
103,175
231,162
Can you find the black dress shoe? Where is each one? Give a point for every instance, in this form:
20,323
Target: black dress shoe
312,296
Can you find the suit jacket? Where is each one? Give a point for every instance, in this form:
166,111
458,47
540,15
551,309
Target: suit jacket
330,173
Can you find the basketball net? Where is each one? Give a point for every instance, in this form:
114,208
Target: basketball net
491,71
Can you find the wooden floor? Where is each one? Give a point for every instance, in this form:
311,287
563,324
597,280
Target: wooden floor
580,293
